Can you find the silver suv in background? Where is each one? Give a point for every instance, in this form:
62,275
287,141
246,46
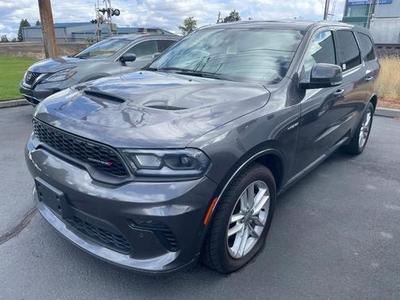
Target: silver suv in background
113,56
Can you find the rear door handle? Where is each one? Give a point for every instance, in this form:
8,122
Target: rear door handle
369,78
339,93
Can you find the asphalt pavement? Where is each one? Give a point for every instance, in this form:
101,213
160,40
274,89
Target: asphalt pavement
16,183
335,235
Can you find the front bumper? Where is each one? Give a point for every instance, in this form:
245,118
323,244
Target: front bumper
154,227
35,94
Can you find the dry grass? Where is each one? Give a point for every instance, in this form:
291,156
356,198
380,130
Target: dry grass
388,83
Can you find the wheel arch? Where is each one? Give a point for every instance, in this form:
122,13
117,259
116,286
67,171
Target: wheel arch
270,157
374,100
275,164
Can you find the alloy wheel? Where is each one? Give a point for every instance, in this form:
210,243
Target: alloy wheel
365,128
248,219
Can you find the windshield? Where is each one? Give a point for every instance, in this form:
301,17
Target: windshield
103,49
234,54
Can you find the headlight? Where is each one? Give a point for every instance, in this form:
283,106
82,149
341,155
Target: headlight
168,163
60,76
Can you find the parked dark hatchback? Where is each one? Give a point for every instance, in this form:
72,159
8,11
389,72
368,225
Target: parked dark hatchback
184,159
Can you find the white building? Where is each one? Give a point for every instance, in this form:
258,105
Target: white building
78,32
382,17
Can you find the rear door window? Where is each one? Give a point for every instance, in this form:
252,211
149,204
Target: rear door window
366,45
164,44
144,49
349,53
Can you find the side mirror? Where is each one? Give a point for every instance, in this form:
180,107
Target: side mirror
323,76
127,57
155,55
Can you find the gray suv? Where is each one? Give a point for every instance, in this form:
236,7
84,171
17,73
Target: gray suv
185,158
115,55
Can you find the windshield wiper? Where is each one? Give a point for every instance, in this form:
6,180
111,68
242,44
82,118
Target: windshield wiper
190,72
204,74
172,69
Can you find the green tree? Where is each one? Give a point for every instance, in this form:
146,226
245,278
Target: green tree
38,23
4,39
23,23
189,25
233,17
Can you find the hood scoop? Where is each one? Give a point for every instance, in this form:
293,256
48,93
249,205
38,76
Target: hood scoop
163,105
103,96
80,87
166,107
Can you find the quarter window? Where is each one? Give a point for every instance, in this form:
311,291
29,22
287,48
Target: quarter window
348,50
321,50
366,46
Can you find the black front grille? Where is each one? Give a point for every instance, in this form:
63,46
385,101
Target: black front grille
101,157
31,77
104,237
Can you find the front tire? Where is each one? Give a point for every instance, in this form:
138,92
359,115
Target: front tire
242,220
361,135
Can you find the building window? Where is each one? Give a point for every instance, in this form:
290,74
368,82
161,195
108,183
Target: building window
357,11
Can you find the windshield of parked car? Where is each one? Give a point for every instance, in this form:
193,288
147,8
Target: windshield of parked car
103,49
238,54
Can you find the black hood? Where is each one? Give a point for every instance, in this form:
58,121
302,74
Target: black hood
150,110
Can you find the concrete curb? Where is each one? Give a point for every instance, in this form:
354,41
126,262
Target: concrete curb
387,112
13,103
380,111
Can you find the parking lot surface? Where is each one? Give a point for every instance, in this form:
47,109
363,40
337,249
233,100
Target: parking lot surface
335,235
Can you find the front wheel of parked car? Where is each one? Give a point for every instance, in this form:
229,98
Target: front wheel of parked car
361,135
242,220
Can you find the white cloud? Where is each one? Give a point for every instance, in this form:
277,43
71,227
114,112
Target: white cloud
167,14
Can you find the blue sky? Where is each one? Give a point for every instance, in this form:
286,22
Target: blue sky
167,14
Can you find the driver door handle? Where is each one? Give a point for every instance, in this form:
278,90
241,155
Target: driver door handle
369,78
339,93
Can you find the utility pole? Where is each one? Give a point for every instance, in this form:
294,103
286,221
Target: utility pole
49,37
332,13
371,12
109,11
219,17
326,10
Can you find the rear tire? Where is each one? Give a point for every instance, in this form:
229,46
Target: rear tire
241,221
361,135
